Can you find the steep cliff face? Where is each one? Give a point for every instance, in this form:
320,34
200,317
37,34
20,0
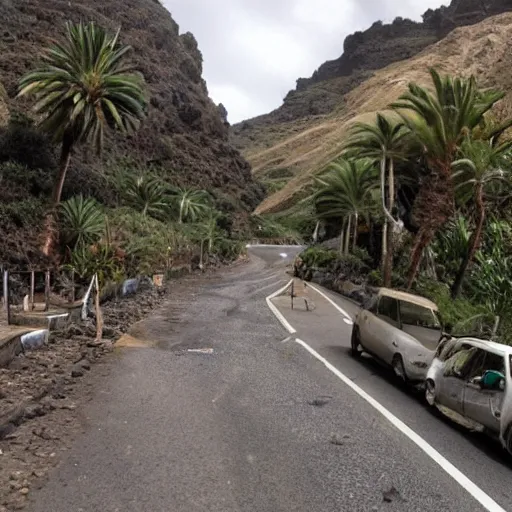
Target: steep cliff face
363,54
185,135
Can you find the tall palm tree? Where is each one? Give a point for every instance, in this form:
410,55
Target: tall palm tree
344,192
84,87
191,204
439,121
477,175
145,194
384,141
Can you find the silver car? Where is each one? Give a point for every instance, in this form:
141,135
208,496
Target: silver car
470,382
400,329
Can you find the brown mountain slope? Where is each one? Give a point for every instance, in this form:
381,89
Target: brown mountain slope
185,135
307,146
363,53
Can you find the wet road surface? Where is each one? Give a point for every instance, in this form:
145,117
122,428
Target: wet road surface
254,423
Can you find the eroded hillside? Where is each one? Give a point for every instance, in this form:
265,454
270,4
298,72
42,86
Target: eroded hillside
305,146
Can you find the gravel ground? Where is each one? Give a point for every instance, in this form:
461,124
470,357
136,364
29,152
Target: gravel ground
42,393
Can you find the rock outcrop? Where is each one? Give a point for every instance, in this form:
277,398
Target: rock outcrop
299,149
363,54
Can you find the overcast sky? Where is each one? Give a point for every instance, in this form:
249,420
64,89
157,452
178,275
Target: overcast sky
254,50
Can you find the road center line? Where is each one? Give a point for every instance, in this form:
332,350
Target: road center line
485,500
341,310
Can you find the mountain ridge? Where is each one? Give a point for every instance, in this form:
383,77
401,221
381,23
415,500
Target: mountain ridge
363,53
302,148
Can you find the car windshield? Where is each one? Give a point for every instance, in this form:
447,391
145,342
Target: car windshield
415,315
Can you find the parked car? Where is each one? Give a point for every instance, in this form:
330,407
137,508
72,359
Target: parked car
470,381
400,329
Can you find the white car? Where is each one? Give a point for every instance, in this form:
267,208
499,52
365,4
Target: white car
400,329
470,381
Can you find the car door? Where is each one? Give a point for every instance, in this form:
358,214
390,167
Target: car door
365,320
384,328
484,405
451,384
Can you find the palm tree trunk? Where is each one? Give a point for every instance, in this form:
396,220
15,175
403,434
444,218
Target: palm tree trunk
356,226
342,238
423,239
50,228
388,263
474,242
388,260
347,234
384,254
433,206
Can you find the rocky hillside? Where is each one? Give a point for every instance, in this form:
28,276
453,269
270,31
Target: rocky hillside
185,135
306,131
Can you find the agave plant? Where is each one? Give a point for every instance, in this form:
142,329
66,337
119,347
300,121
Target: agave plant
84,87
82,221
147,195
191,204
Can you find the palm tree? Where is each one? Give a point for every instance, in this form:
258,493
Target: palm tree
145,194
476,176
344,192
83,220
191,204
84,87
439,121
385,141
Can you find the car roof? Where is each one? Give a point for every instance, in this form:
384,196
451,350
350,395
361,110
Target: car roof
408,297
492,346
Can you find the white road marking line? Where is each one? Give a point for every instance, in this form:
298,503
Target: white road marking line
484,499
348,318
276,311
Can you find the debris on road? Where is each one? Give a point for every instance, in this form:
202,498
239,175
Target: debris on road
320,401
200,350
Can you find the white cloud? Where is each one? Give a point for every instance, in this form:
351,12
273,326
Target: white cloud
254,50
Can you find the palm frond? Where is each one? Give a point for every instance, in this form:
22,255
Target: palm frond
85,86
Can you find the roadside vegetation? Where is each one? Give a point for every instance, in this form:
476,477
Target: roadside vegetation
122,222
421,200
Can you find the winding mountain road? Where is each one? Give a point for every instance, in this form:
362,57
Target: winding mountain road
224,410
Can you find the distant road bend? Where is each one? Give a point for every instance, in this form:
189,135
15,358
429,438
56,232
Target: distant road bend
267,419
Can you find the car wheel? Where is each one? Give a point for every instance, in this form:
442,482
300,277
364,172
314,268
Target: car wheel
399,368
355,343
430,392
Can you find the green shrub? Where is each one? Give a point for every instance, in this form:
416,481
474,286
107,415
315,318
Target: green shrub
459,316
352,267
318,257
375,278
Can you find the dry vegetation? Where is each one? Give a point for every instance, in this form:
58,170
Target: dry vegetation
482,50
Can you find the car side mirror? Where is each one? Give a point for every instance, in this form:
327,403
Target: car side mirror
492,379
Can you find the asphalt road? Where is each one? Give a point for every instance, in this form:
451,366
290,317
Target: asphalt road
258,424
